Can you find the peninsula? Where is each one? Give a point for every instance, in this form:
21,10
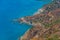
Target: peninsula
45,23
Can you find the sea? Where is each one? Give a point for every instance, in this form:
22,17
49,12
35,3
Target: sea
14,9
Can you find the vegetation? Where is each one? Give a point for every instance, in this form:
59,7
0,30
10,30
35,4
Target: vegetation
54,37
51,24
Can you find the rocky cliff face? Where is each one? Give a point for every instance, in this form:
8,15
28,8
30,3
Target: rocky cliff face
45,25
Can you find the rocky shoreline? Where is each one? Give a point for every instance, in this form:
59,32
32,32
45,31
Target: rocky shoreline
45,23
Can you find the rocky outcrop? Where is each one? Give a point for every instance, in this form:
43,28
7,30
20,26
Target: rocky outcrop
45,23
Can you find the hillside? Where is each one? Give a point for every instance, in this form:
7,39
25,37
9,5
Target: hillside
45,23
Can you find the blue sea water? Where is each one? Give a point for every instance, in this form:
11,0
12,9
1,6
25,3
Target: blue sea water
11,9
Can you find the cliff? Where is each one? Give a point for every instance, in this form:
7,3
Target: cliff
45,23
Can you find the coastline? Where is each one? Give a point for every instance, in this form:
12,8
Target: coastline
48,24
39,11
27,32
24,35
